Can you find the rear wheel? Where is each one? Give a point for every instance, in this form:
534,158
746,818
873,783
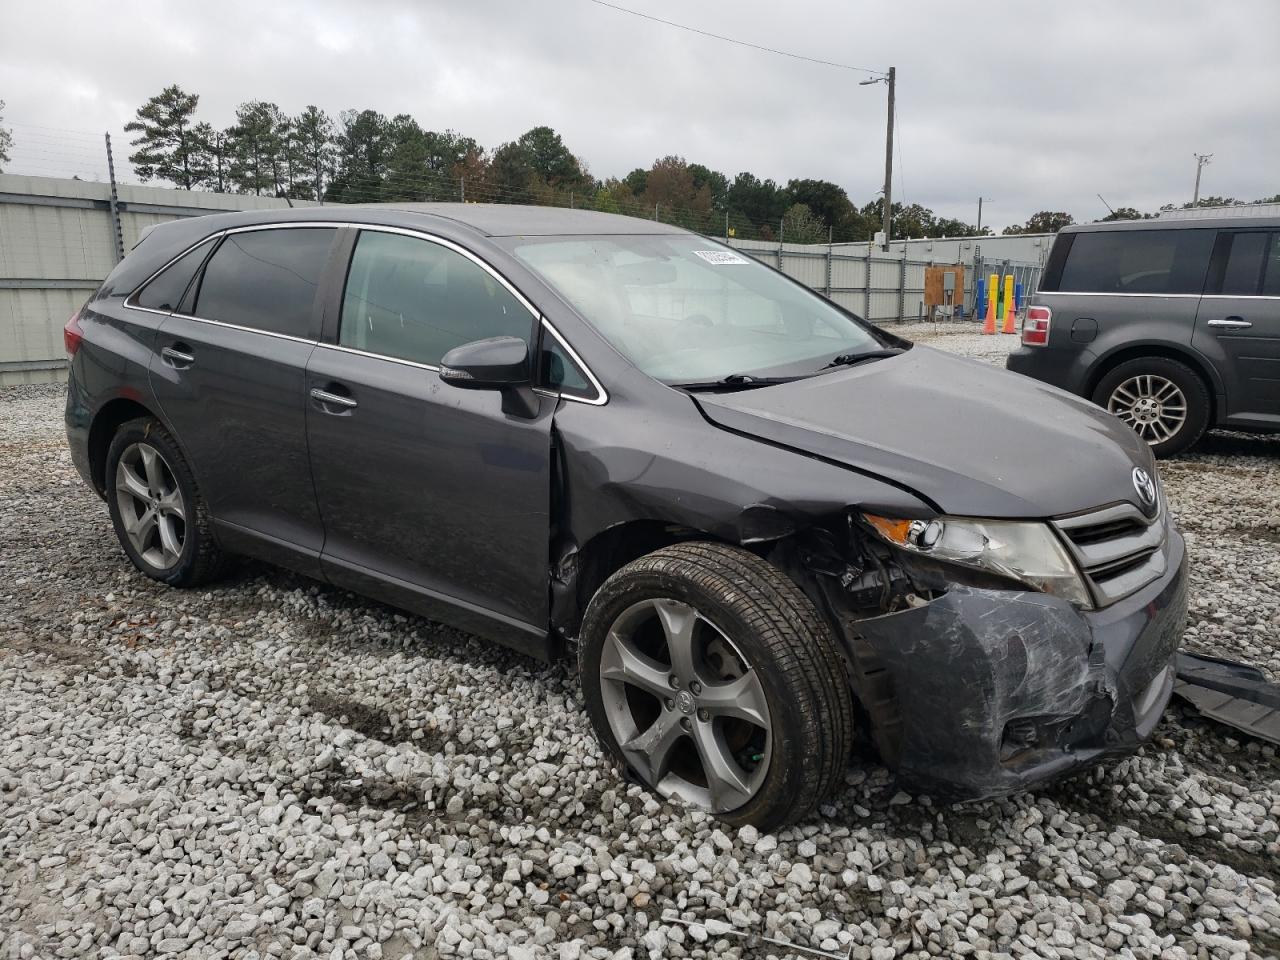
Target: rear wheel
156,509
709,674
1165,402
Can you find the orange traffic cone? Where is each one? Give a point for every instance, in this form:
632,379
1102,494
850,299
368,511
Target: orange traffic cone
990,325
1010,319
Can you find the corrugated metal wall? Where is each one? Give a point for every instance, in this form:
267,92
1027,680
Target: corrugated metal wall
57,244
884,287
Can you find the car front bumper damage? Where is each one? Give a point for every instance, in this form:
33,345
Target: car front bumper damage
981,693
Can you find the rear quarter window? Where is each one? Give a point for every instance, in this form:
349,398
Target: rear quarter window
1133,261
165,291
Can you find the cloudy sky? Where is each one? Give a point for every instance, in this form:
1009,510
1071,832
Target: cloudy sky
1035,105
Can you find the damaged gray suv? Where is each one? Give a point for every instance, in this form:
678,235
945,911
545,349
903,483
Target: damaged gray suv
765,528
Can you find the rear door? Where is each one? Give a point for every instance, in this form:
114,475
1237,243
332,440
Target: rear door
432,497
1129,286
229,376
1238,325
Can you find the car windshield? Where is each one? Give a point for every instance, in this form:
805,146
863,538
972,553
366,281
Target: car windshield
685,309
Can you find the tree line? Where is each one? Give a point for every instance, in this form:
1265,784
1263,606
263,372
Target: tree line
362,156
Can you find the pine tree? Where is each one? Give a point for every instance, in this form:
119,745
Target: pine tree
256,148
6,140
313,141
167,146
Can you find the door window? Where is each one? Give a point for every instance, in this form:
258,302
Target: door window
166,290
412,299
1137,261
1271,269
1243,263
266,279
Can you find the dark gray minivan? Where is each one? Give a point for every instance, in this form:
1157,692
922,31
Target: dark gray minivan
1171,325
761,525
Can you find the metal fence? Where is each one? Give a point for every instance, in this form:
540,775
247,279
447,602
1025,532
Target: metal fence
59,238
882,286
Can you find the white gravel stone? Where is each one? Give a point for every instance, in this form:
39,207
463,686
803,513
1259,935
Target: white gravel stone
272,768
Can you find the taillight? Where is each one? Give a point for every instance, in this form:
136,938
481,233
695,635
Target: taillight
1035,328
72,334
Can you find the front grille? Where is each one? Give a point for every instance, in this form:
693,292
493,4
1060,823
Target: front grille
1119,549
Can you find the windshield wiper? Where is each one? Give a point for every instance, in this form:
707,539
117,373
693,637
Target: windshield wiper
735,381
849,359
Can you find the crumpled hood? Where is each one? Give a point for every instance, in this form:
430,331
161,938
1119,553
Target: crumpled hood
972,438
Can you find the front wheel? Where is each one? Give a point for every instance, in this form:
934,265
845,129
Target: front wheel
709,674
1165,402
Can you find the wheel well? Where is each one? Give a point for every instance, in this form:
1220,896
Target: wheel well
105,423
1155,350
600,557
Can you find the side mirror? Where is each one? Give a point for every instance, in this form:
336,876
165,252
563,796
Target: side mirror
499,363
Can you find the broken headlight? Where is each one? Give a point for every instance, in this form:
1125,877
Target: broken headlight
1024,551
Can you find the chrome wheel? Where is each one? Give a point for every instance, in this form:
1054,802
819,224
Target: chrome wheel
1155,407
685,706
152,510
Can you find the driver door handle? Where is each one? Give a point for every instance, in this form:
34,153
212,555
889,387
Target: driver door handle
337,399
177,358
1232,323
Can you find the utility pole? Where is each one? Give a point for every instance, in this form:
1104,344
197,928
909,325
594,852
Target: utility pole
1202,160
980,199
888,162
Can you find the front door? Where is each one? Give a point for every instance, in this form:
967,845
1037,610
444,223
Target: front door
432,497
1238,324
229,381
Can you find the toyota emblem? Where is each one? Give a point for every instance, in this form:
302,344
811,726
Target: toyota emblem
1146,487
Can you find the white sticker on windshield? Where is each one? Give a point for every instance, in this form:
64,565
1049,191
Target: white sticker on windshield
719,257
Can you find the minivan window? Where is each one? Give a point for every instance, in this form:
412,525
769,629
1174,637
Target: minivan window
1136,261
686,309
1271,269
413,299
266,279
166,290
1244,261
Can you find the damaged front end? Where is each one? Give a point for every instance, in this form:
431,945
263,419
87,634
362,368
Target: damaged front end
976,685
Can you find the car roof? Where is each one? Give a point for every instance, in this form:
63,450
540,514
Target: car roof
487,219
1179,223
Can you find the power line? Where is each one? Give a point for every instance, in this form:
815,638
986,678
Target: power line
741,43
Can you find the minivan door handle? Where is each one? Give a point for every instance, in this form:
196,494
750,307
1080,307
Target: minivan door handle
1232,323
326,399
179,356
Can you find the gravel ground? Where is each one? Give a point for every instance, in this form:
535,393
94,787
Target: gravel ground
276,768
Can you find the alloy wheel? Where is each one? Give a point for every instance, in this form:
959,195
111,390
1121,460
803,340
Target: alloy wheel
685,706
152,509
1154,406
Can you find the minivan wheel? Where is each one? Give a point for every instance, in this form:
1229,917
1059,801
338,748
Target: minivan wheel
156,509
1165,402
710,676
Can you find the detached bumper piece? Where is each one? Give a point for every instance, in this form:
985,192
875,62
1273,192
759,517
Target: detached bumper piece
1235,694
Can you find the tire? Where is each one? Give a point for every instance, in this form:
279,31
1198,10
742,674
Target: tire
1149,393
176,545
756,639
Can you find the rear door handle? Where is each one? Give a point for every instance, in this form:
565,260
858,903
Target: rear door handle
332,399
176,357
1231,323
